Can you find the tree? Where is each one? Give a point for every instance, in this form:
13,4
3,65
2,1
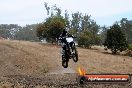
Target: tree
52,28
115,40
103,32
5,33
41,31
67,18
9,30
94,29
78,25
126,27
85,24
47,8
85,39
55,27
27,33
76,20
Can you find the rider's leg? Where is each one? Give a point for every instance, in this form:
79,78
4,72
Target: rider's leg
63,52
71,48
63,49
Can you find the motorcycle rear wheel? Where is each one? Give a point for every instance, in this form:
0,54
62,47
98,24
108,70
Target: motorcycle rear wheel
64,62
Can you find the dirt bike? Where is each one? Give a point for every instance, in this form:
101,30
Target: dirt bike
69,51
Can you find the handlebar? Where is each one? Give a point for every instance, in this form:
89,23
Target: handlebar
67,37
74,37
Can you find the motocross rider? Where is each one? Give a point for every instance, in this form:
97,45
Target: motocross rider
63,39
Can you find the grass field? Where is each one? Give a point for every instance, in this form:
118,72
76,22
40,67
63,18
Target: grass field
37,59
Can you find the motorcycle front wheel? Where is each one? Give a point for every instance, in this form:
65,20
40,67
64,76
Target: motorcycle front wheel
75,55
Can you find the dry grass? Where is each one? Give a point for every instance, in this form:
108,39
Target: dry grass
10,85
30,58
6,85
21,57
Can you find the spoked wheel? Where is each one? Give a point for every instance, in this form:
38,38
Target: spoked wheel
75,55
64,62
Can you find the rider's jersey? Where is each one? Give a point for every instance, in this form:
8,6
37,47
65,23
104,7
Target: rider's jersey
63,36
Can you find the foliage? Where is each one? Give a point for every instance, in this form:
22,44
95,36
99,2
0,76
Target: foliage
78,25
115,39
27,33
81,23
9,30
5,33
52,28
129,50
13,31
55,27
76,20
130,47
103,33
73,31
41,31
54,24
126,27
97,40
85,39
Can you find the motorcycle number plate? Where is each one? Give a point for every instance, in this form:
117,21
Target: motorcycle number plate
70,39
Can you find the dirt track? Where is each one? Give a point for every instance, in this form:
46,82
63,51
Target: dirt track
41,64
52,81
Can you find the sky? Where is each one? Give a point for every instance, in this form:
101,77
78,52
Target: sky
104,12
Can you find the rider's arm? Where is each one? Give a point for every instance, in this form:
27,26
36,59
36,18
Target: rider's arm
71,35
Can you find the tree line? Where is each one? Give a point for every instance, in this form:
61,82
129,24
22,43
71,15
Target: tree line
14,31
80,25
87,31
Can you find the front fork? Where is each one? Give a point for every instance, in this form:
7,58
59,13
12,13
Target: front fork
67,50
